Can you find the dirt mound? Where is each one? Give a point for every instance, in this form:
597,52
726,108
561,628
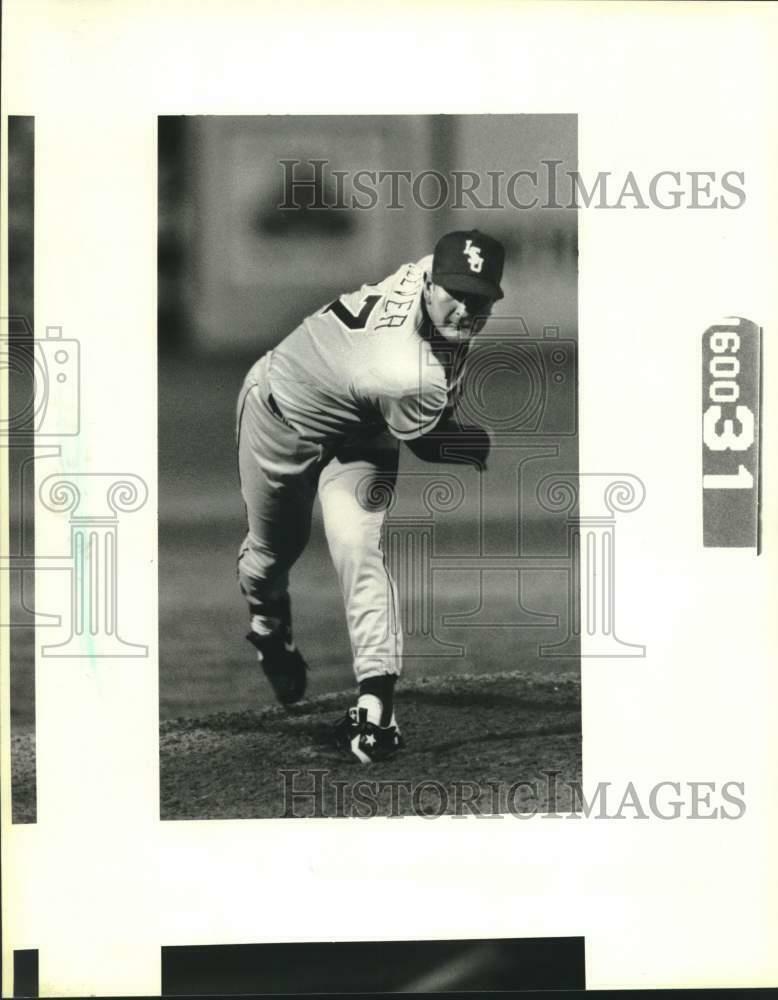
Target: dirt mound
471,743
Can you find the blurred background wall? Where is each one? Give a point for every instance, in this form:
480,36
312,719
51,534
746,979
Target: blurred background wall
238,271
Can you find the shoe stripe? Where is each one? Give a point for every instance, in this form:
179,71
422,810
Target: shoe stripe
359,754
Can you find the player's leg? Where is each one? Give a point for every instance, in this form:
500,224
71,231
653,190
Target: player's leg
356,488
278,474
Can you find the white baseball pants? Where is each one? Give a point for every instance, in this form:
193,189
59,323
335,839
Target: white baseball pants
280,474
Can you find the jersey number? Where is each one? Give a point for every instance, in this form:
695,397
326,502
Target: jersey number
347,317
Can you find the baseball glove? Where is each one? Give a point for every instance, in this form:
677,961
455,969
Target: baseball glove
454,444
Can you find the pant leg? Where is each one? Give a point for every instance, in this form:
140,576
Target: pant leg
355,489
278,477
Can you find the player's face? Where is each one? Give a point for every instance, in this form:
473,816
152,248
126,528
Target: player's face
456,315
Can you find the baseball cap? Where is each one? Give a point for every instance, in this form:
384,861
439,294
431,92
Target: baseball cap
469,262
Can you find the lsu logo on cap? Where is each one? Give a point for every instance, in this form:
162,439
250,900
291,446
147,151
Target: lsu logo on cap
474,258
469,261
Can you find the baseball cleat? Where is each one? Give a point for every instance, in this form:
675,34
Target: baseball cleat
282,664
366,741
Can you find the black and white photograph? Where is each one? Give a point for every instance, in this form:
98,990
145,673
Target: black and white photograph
368,427
387,468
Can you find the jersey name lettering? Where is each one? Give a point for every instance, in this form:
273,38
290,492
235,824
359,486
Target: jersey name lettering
400,299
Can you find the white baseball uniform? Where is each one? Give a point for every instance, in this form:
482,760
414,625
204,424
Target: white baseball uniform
325,410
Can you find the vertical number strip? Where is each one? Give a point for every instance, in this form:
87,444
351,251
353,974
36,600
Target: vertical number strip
731,442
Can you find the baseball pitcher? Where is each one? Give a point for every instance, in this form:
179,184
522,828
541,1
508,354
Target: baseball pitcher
325,412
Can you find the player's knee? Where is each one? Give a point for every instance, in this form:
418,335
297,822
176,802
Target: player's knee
263,563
